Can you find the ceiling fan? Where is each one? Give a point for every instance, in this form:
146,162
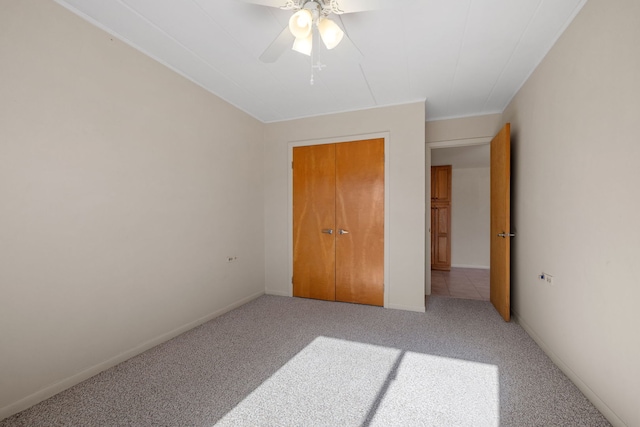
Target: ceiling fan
310,14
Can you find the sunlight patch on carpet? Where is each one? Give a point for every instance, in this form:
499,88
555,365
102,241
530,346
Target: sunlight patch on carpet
432,390
339,382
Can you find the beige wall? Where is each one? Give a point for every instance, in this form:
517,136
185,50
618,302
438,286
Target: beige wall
463,128
576,203
406,177
470,217
123,188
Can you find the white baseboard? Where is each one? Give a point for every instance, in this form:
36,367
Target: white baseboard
277,293
419,309
584,388
483,267
53,389
391,306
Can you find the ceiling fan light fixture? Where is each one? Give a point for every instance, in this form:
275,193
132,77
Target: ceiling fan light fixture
330,33
303,44
300,23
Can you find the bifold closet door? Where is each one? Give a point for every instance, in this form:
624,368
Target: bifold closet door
338,222
314,209
360,213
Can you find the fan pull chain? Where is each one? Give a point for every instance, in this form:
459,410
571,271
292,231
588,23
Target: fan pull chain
313,53
318,66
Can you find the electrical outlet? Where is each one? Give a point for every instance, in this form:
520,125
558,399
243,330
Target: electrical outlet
547,278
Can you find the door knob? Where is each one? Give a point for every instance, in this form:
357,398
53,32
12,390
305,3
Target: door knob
343,231
503,235
327,231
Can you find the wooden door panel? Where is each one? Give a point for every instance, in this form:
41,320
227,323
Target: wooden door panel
441,217
434,225
441,237
360,211
443,221
434,191
444,237
442,187
443,251
313,211
501,222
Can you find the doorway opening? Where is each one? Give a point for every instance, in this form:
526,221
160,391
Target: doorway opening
467,275
461,282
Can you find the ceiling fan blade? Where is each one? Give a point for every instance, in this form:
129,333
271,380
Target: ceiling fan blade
278,46
270,3
353,6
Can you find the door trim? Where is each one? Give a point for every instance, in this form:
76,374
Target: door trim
337,140
465,142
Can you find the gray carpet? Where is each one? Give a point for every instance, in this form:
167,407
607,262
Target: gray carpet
293,362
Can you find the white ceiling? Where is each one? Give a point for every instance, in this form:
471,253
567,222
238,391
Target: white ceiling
464,57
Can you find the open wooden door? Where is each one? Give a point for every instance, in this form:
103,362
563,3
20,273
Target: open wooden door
501,222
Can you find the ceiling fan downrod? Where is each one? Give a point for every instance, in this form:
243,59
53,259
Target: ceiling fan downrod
325,7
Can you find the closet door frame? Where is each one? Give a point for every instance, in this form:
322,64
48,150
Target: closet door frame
337,140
